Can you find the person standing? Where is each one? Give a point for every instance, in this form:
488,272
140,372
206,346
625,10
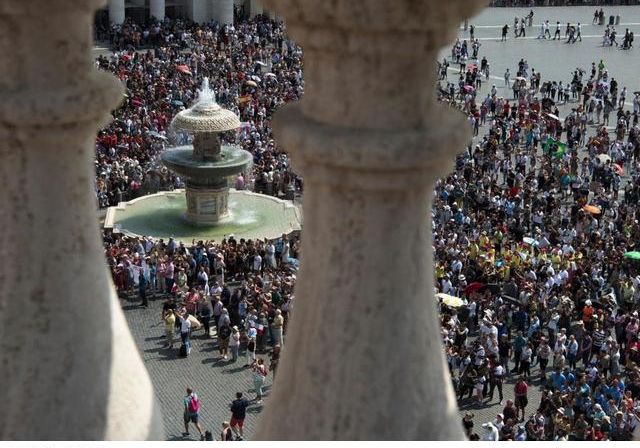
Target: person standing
521,401
547,32
505,30
234,343
275,358
544,353
507,76
168,274
142,287
525,360
518,345
185,333
496,378
224,333
251,347
205,316
578,32
169,326
238,414
259,374
276,328
504,352
557,34
192,412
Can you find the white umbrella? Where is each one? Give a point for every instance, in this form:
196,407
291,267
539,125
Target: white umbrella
604,158
272,75
450,301
553,117
256,78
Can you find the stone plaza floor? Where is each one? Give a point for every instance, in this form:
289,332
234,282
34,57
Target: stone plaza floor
215,381
556,60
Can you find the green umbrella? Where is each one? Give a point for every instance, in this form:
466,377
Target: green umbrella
633,255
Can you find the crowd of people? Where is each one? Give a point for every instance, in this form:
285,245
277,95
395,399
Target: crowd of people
253,69
532,231
535,240
532,3
237,292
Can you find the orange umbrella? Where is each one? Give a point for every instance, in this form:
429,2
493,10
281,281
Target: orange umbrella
591,209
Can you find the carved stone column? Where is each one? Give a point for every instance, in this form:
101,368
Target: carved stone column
157,9
223,11
363,356
200,10
69,366
116,11
255,8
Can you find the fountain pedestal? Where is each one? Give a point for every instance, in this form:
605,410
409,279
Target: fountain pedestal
207,205
208,164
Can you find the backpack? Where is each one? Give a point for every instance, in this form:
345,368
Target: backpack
224,332
194,404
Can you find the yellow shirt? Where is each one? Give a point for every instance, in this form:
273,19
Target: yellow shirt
170,321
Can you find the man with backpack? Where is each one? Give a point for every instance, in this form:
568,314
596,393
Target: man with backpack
192,412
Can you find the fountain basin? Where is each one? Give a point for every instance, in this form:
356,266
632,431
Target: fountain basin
232,161
162,215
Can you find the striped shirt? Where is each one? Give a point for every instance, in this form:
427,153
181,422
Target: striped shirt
598,338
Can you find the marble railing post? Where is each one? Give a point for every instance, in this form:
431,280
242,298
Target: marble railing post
223,11
157,9
201,10
116,11
69,367
255,8
363,356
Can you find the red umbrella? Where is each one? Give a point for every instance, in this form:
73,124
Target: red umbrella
126,57
183,69
618,169
473,287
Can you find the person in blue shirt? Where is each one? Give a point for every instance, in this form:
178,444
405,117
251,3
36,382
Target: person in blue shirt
558,381
570,378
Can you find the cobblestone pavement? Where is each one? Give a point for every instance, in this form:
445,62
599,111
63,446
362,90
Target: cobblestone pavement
215,381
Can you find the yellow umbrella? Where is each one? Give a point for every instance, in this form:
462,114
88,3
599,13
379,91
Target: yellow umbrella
450,301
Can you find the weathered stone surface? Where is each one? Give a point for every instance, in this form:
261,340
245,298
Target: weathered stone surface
67,359
363,357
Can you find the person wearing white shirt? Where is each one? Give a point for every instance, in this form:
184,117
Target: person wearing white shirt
257,262
491,433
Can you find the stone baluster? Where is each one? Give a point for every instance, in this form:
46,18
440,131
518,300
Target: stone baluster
116,11
223,11
69,366
157,9
363,356
255,8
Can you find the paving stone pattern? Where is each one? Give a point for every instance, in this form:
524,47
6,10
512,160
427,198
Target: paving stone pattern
215,381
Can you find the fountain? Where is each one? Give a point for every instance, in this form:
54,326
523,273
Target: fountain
213,211
207,165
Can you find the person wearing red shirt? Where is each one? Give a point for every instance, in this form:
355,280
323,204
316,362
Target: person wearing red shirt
520,391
